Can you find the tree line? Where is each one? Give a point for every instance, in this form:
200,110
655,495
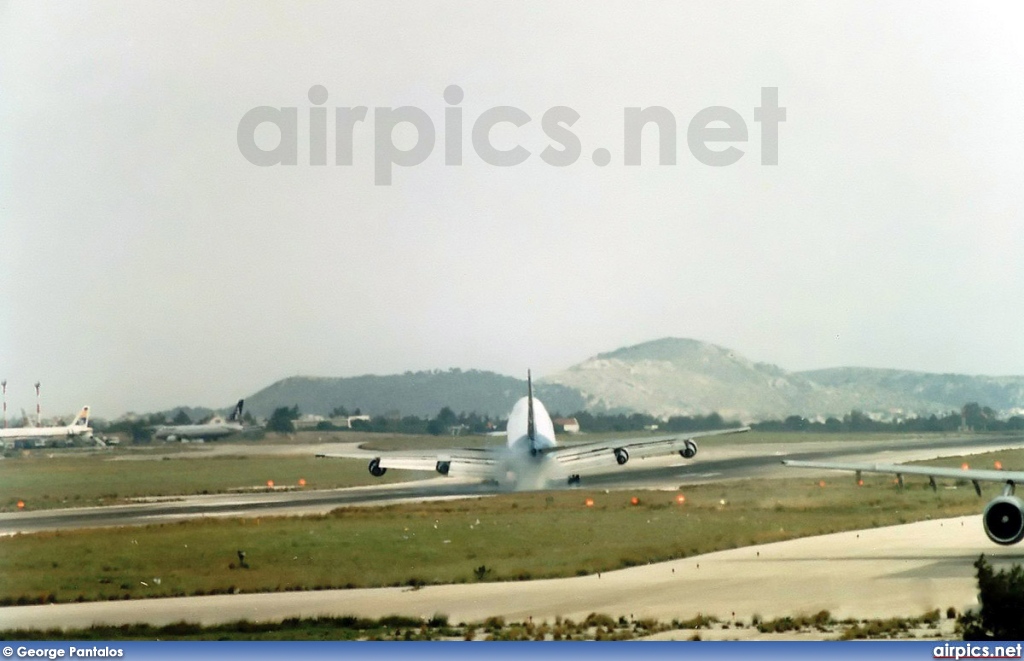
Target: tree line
972,416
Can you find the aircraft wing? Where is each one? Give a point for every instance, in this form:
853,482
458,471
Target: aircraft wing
975,475
456,462
611,452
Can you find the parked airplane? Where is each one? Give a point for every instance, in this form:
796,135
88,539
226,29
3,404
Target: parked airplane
531,454
80,427
1003,517
215,428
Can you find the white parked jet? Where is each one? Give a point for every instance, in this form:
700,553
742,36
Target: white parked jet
531,454
1003,517
80,427
215,428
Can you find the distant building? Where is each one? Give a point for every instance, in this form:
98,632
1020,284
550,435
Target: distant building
567,425
308,421
346,421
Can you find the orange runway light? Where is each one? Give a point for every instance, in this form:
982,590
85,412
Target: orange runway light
21,504
589,502
860,483
964,466
302,481
270,483
822,484
999,465
634,501
680,499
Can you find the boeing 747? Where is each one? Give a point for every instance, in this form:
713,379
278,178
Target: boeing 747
532,456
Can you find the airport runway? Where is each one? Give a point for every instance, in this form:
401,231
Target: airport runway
713,464
884,572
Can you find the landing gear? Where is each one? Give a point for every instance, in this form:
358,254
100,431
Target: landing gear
574,480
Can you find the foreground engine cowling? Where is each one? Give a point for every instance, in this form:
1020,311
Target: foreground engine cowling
621,456
375,469
1004,520
689,450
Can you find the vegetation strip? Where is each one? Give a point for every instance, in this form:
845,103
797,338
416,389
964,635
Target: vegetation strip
450,542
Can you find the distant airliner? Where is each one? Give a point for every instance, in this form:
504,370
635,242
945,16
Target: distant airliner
80,427
215,428
531,454
1003,517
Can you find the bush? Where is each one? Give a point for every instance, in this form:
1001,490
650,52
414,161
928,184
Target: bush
1001,595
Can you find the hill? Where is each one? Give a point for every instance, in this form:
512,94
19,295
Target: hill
666,377
421,394
674,376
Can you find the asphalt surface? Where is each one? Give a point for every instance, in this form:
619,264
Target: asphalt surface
725,462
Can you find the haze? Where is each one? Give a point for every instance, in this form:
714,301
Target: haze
144,263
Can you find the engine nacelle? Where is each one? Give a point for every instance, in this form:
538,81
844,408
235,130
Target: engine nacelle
443,467
621,456
1004,520
689,450
375,467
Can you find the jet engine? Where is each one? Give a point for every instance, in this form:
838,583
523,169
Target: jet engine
375,469
1004,520
621,456
689,450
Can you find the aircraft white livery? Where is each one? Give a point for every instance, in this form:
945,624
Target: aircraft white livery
79,427
1003,517
531,454
215,428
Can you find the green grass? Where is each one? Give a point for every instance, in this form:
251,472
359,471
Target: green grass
59,479
513,537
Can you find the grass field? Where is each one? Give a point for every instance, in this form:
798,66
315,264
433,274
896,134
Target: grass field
595,626
509,537
56,479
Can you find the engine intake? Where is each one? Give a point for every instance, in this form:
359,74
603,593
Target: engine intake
375,467
1004,520
621,456
689,450
443,467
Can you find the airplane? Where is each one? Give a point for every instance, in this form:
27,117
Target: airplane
1003,517
215,428
532,455
79,427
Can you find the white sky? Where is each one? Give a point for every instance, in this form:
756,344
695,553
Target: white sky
144,263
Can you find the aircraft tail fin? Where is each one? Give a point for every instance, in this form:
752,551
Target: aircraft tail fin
236,415
531,428
82,419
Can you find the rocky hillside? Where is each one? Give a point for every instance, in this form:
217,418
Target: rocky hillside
675,376
665,377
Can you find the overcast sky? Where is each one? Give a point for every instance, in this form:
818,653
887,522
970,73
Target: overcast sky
146,263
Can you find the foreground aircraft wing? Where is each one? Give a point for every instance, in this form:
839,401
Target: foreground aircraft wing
611,452
456,462
1003,518
975,475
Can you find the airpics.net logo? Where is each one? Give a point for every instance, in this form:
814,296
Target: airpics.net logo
711,134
